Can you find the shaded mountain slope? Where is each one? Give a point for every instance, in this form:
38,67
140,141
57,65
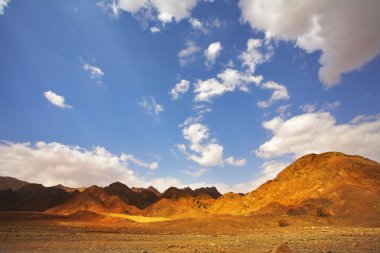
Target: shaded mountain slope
11,183
141,199
32,197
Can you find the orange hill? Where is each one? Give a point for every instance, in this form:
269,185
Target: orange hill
178,203
94,199
327,184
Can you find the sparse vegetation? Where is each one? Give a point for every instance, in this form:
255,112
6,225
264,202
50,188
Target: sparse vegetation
282,223
321,212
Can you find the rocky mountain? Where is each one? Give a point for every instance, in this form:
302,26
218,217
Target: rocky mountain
178,203
141,199
69,189
11,183
326,184
94,199
32,197
211,191
150,188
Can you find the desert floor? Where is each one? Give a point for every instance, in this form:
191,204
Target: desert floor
38,232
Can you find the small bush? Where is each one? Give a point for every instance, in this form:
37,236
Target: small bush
321,213
282,223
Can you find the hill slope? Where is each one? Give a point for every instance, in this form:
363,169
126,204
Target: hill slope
178,203
94,199
32,197
11,183
326,184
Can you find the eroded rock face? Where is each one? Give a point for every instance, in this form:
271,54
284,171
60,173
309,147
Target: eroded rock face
327,184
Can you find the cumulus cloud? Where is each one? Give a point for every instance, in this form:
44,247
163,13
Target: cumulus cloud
254,56
3,4
212,52
187,54
180,88
94,71
203,150
167,10
150,105
280,93
56,99
318,132
269,170
346,32
228,81
55,163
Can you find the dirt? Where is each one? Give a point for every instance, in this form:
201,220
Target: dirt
37,232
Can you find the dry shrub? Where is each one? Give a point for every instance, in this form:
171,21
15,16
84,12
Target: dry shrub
282,223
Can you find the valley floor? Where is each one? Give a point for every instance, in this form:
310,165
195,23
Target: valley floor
37,232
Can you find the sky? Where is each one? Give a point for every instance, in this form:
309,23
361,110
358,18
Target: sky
184,93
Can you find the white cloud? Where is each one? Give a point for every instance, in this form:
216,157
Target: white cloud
204,151
187,54
154,29
253,55
56,99
212,52
110,7
3,4
129,157
95,72
319,132
167,10
235,162
346,32
197,173
308,108
180,88
227,81
196,24
280,93
55,163
269,170
150,105
329,106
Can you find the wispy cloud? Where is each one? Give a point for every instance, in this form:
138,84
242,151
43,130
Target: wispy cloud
94,71
187,55
150,105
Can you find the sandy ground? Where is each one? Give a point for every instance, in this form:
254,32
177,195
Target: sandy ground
34,232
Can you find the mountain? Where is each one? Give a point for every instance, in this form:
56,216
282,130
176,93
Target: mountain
141,199
94,199
32,197
330,183
211,191
178,203
69,189
11,183
150,188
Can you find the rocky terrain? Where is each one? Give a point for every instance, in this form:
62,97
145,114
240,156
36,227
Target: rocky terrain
321,203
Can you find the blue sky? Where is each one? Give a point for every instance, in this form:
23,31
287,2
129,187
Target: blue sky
94,92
